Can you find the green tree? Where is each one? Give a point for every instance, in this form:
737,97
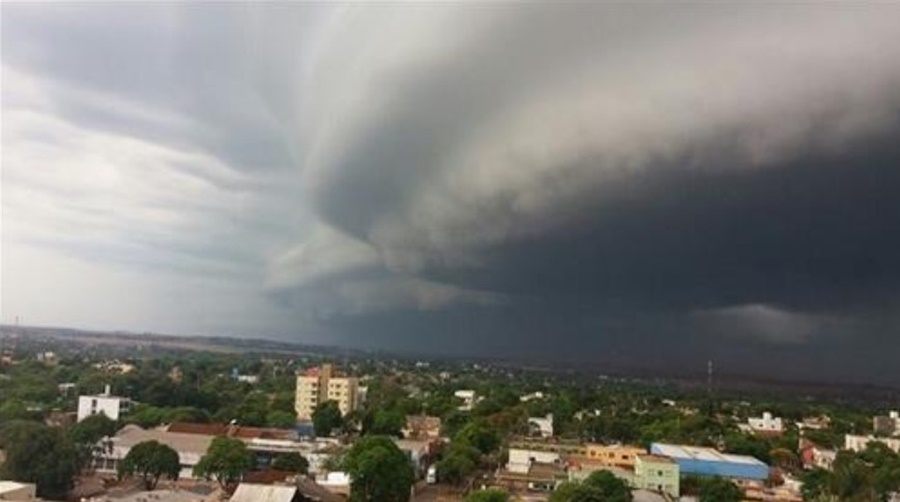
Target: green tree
458,463
326,418
719,490
88,437
489,495
600,486
479,435
281,419
379,470
36,453
292,461
150,460
226,461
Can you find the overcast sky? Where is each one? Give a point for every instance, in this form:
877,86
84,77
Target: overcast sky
642,185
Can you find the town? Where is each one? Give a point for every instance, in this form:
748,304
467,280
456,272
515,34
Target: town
93,422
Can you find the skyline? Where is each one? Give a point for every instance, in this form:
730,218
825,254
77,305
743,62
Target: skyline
647,185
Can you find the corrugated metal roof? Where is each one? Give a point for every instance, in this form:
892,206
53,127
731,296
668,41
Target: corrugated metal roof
263,493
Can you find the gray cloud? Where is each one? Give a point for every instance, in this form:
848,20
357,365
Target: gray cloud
438,176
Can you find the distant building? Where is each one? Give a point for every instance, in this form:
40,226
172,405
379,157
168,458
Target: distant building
814,423
709,462
48,358
469,398
319,385
616,455
520,461
111,406
190,447
859,443
767,425
541,426
657,473
251,379
531,397
12,490
887,425
814,457
422,427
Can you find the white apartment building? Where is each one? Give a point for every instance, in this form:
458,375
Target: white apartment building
109,405
321,384
859,443
469,398
766,424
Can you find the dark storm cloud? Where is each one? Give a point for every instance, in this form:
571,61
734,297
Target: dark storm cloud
576,181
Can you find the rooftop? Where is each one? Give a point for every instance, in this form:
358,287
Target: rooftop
703,454
648,457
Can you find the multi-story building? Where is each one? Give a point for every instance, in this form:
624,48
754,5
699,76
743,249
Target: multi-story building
887,425
767,425
106,403
616,455
321,384
859,443
657,473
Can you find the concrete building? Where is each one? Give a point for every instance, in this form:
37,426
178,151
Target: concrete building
190,447
888,425
541,426
20,492
616,455
520,461
111,406
422,427
765,425
469,398
653,472
709,462
859,443
322,384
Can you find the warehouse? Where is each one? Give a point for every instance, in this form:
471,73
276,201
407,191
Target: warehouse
709,462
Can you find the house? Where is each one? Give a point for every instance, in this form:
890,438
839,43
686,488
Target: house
468,397
888,425
656,473
11,490
111,406
422,427
814,457
859,443
248,492
814,423
520,461
418,451
767,425
335,482
617,455
190,448
531,397
541,426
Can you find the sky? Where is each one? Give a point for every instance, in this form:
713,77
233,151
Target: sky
646,186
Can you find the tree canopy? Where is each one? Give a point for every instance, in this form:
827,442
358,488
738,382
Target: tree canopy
291,461
150,460
378,470
489,495
326,418
226,461
719,490
36,453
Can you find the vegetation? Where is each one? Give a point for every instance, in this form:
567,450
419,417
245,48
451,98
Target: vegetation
326,418
150,460
293,462
36,453
379,470
719,490
600,486
226,461
489,495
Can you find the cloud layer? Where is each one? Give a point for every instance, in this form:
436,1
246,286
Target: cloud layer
430,177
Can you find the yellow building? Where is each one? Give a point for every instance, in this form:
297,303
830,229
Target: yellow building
321,384
614,455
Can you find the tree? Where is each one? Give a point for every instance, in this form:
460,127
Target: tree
459,461
489,495
326,418
600,486
292,461
36,453
88,437
378,470
226,461
281,419
480,436
150,460
719,490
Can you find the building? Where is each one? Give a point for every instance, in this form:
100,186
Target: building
814,457
887,425
319,385
190,447
709,462
468,397
11,490
541,426
653,472
531,397
422,427
520,461
420,452
814,423
767,425
859,443
111,406
616,455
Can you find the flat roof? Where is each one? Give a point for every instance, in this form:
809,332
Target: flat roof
685,452
648,457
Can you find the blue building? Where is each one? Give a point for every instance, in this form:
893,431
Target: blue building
709,462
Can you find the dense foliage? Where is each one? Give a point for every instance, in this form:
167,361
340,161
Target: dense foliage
379,470
226,461
150,461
